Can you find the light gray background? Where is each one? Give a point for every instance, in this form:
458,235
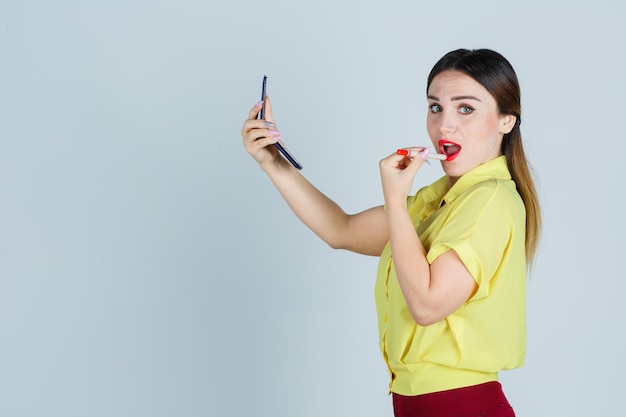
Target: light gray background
147,266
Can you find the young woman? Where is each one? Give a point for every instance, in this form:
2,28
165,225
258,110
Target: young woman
451,284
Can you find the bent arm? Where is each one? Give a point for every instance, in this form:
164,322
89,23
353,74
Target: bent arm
432,292
365,232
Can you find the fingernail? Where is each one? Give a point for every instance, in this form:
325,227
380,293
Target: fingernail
273,132
424,153
277,138
268,124
259,104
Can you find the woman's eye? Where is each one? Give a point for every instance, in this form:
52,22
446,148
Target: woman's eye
466,109
435,108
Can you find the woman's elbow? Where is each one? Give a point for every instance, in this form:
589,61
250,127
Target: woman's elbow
425,317
335,243
424,321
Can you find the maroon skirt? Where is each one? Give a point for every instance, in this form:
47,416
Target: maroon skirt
484,400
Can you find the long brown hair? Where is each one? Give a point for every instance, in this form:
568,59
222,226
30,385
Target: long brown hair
496,74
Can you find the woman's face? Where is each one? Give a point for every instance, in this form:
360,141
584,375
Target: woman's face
464,122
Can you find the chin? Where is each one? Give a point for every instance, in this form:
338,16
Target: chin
453,172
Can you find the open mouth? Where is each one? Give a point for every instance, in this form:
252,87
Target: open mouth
450,149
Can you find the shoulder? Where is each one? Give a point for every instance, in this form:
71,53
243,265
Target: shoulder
494,203
494,191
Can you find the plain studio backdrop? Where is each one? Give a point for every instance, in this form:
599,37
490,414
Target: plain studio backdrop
149,268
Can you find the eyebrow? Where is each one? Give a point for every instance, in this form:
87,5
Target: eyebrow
456,98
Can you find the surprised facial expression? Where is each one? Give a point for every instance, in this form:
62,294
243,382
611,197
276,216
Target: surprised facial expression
464,122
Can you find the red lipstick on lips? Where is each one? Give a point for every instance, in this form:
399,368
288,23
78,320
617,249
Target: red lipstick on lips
450,149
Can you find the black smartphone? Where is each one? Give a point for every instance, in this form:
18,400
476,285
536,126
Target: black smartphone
281,146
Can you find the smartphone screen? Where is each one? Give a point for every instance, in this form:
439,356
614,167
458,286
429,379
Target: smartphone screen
281,146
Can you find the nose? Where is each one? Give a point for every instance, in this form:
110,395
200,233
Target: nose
448,124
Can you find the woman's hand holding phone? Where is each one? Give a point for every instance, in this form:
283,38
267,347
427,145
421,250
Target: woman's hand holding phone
263,113
258,135
281,146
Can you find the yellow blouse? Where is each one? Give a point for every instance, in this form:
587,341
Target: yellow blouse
482,218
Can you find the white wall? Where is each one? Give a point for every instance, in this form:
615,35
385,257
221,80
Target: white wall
148,268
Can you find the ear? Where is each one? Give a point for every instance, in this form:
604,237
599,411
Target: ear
507,122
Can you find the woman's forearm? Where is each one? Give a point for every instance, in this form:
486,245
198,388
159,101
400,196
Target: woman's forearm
318,212
409,258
